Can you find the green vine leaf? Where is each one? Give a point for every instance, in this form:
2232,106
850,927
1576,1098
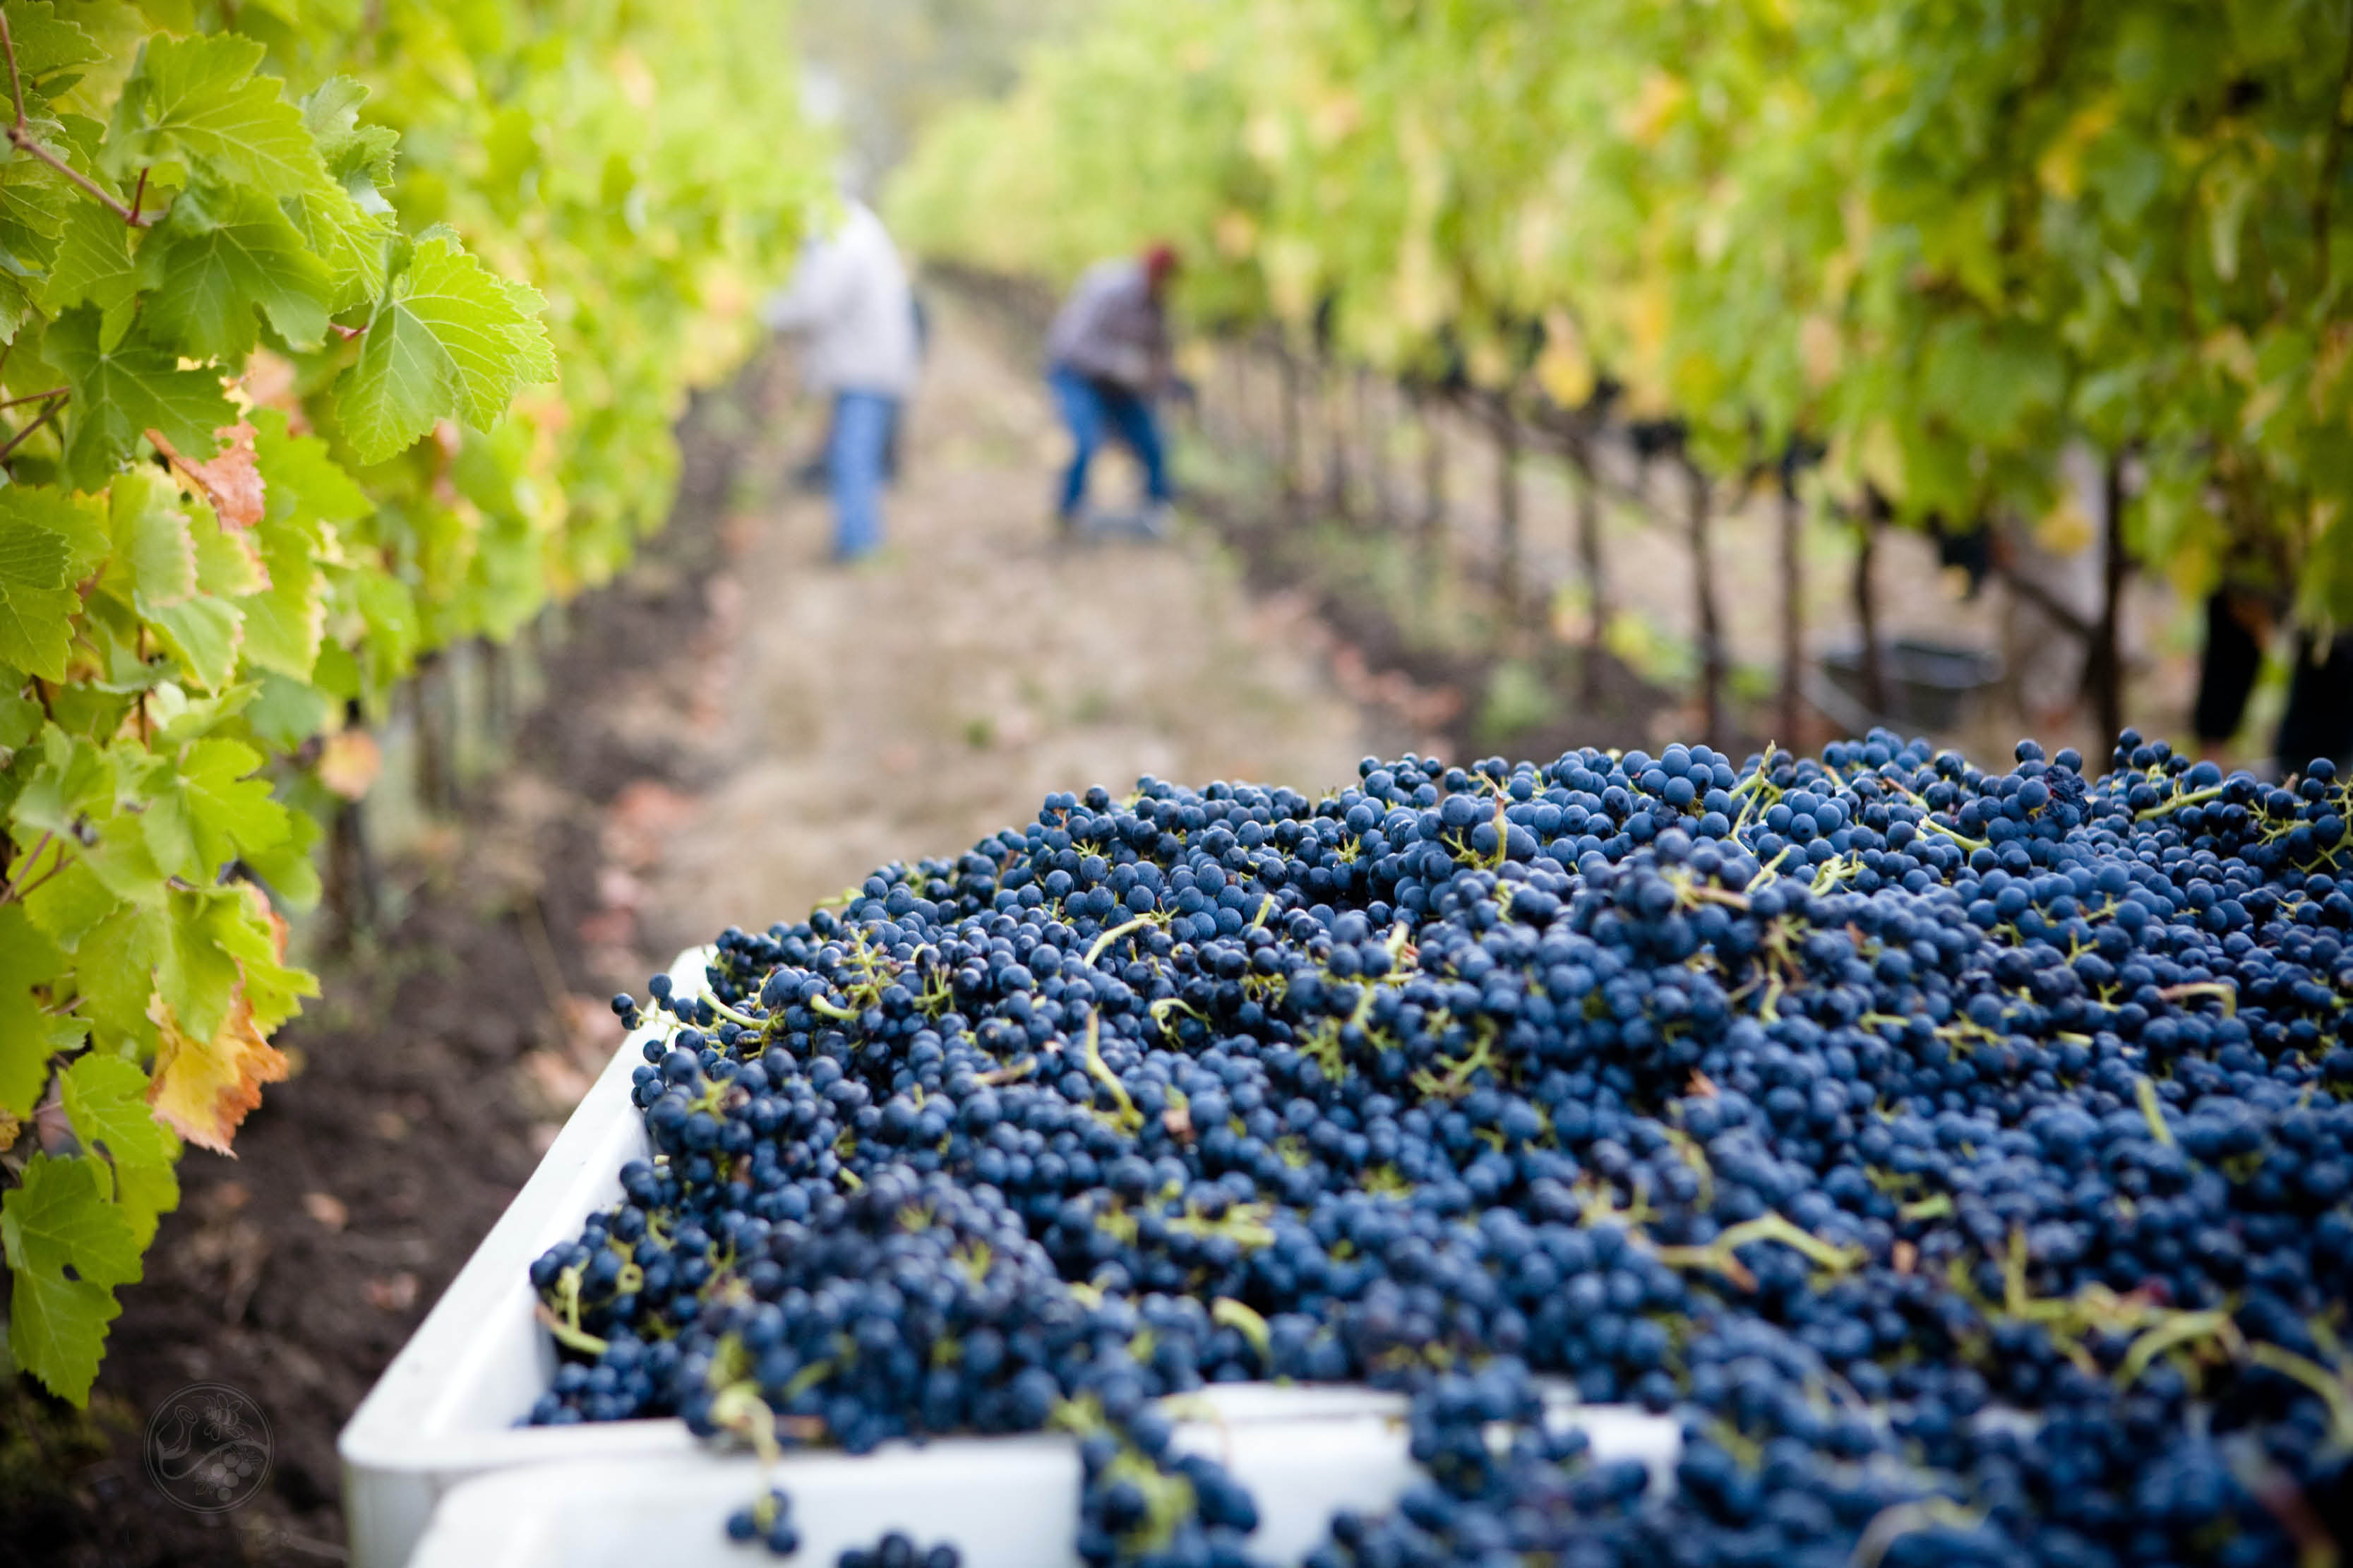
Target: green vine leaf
207,809
29,1032
37,598
120,393
220,257
93,266
199,101
348,226
105,1099
59,1219
46,44
451,340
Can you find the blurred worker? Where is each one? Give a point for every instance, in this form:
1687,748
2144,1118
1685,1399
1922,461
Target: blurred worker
812,475
849,300
1107,359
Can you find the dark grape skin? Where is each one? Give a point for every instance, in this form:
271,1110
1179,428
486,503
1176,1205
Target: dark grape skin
897,1549
769,1522
1466,1075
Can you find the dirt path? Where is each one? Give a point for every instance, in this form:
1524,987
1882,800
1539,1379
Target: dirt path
908,707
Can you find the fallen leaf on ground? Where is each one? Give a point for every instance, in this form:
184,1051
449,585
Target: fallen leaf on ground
327,1209
556,1080
392,1292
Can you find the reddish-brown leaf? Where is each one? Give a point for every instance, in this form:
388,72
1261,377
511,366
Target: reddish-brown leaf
230,478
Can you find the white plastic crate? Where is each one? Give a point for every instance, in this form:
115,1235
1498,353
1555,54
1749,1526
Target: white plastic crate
1006,1502
446,1408
445,1414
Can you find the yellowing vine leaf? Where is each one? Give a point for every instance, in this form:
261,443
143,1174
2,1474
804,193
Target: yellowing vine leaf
204,1084
203,1089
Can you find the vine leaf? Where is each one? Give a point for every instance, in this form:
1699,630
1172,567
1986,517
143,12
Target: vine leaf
208,809
205,1085
58,1219
203,634
48,543
286,621
347,227
228,560
29,224
93,266
216,259
254,934
105,1099
223,985
231,480
115,965
306,494
122,392
170,565
38,601
450,340
289,867
45,44
72,779
155,549
198,102
29,1034
349,762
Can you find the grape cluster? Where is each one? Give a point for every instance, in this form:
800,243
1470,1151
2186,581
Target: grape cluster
768,1521
1965,1156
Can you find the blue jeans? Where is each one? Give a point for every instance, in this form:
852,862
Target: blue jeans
853,460
1088,407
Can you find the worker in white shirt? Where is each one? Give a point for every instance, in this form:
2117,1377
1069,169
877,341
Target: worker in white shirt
850,302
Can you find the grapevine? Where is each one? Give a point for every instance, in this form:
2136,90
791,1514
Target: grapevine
266,310
1939,247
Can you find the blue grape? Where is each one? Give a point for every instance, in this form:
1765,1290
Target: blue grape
1963,1155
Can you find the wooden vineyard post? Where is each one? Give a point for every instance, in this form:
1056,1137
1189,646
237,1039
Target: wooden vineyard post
1431,524
1705,616
353,888
1588,560
1293,439
428,701
1228,419
1793,609
1866,604
352,894
1248,378
498,698
1373,431
1333,406
2104,665
1511,554
1510,573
